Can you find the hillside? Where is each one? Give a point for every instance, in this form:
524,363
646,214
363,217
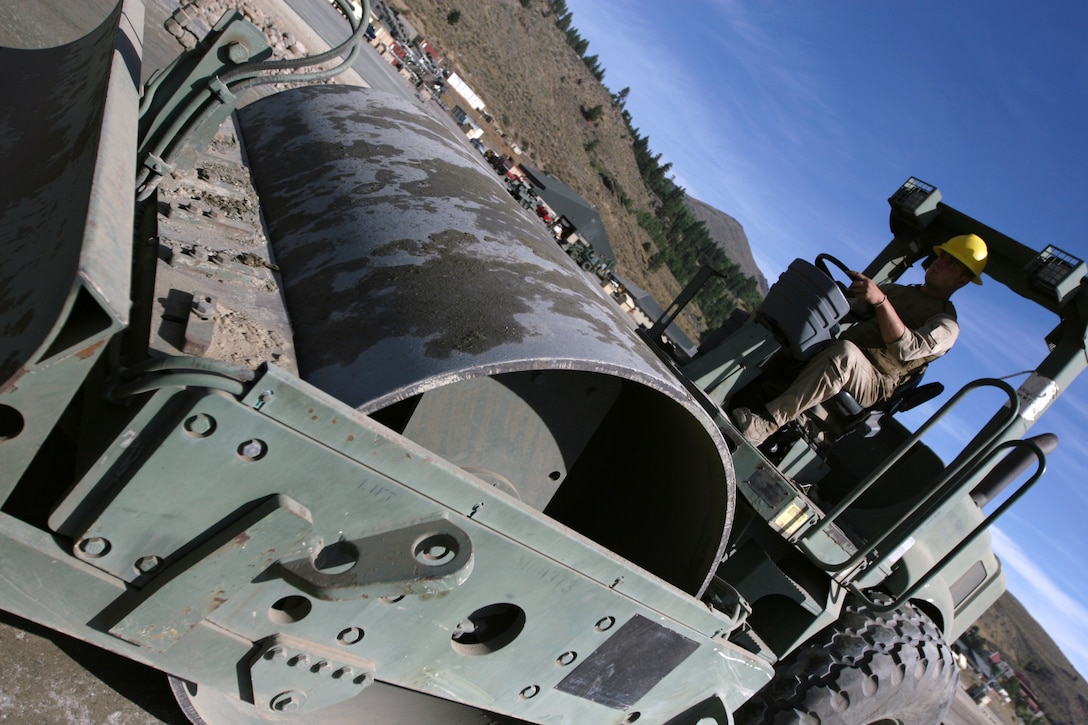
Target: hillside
515,58
730,236
1028,648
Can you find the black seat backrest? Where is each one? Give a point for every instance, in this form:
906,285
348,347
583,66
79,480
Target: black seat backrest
803,308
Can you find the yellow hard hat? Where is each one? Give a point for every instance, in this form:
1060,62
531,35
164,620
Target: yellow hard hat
969,249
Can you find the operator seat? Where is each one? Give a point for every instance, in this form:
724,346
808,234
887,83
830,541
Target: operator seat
803,309
842,415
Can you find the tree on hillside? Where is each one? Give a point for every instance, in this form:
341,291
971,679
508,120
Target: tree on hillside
594,67
683,242
592,114
453,17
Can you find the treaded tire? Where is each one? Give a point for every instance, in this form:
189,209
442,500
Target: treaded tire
865,668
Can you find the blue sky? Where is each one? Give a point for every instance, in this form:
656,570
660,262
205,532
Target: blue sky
801,118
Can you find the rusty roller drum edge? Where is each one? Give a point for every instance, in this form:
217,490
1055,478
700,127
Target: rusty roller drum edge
422,295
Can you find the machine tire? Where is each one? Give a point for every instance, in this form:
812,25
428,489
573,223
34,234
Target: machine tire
865,668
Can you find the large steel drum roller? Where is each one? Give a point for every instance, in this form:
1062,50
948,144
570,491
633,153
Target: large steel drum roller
422,294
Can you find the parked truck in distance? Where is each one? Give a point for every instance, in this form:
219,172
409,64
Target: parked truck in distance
483,497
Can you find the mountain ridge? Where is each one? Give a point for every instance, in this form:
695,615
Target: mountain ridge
730,236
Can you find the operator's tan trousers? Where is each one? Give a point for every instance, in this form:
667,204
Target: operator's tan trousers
841,365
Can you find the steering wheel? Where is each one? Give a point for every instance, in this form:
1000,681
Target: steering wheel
821,264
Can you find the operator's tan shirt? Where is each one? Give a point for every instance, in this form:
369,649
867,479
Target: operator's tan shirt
931,331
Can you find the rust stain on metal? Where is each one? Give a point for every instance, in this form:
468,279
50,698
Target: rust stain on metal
11,383
90,350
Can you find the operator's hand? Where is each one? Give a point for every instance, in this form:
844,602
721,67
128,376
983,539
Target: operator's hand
865,289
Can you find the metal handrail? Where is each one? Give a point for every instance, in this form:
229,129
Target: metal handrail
941,491
970,538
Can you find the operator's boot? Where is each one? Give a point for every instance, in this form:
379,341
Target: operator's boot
753,427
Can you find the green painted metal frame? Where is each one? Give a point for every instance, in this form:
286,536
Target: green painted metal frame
290,472
66,220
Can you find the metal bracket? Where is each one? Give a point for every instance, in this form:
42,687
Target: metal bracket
200,326
219,88
182,111
171,606
293,677
427,558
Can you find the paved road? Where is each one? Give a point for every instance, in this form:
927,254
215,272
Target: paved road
322,19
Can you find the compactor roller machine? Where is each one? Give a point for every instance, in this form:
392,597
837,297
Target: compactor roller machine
470,491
